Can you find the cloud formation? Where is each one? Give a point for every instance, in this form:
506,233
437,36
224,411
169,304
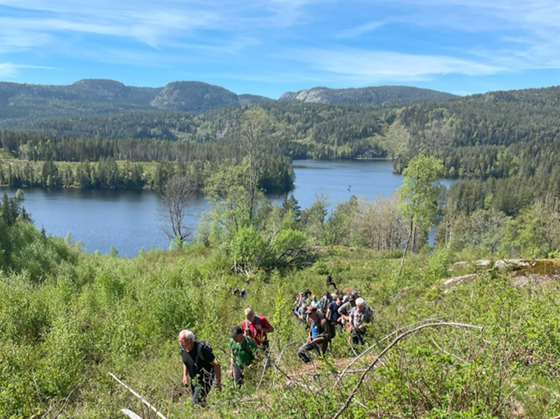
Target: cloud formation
362,66
332,42
10,70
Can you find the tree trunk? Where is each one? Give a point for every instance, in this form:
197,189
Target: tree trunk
406,248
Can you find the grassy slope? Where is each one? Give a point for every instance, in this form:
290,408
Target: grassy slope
122,315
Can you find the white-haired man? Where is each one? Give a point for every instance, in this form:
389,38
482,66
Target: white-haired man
199,367
360,315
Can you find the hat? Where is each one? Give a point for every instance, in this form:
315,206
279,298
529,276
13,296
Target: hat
351,299
311,309
235,330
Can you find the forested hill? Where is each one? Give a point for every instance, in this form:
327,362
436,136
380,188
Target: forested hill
21,103
486,135
497,134
24,103
386,96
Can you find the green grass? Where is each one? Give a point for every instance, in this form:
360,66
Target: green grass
98,314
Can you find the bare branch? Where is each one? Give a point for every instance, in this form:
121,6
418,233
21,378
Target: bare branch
175,196
397,340
139,396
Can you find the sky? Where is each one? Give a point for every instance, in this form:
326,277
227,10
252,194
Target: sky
268,47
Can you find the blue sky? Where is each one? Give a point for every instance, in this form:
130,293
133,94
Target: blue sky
268,47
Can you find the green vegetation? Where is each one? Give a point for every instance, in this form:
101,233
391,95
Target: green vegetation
21,104
510,138
67,318
33,160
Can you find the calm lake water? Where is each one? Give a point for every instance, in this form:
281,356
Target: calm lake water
129,220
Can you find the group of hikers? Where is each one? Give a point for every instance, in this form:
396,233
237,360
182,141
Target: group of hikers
323,318
200,370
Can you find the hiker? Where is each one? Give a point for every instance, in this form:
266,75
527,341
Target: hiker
344,311
236,291
242,354
330,282
333,317
302,312
314,302
360,315
319,336
325,301
257,328
199,367
242,293
298,302
307,293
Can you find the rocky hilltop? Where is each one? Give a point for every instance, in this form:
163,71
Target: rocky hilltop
21,103
381,95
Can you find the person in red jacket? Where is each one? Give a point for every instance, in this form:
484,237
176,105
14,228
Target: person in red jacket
256,327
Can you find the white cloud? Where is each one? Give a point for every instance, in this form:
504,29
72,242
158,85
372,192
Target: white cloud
151,23
381,66
367,27
525,33
10,70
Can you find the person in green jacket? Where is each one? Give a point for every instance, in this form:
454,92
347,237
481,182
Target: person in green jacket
242,354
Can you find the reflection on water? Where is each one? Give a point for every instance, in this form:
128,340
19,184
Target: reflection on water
129,220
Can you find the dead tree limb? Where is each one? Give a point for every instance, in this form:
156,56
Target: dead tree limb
345,370
139,396
130,414
395,341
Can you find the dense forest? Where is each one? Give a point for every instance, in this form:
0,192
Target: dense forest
42,160
508,138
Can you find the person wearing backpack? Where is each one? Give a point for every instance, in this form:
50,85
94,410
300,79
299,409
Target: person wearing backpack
199,367
242,354
333,317
360,316
319,336
257,327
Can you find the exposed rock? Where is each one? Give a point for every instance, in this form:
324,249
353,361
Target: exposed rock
380,95
456,280
521,271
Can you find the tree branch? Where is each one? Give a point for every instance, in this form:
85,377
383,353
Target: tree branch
397,340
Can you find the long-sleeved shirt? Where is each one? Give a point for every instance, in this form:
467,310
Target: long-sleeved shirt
360,317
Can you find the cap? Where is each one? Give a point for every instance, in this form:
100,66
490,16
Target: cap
235,330
351,299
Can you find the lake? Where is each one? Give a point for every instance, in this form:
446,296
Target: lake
129,220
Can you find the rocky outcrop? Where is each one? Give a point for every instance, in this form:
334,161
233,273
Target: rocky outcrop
381,95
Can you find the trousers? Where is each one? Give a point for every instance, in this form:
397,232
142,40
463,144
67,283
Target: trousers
307,347
201,387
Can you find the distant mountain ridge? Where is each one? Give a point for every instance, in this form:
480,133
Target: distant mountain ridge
91,97
21,103
380,95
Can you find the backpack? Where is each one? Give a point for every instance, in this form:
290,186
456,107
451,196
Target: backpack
244,347
199,353
248,323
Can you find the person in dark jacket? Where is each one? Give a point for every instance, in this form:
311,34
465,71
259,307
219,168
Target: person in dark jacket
330,282
199,367
319,336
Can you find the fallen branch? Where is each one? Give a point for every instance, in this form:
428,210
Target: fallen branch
374,346
384,351
66,400
284,349
139,396
130,414
283,373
